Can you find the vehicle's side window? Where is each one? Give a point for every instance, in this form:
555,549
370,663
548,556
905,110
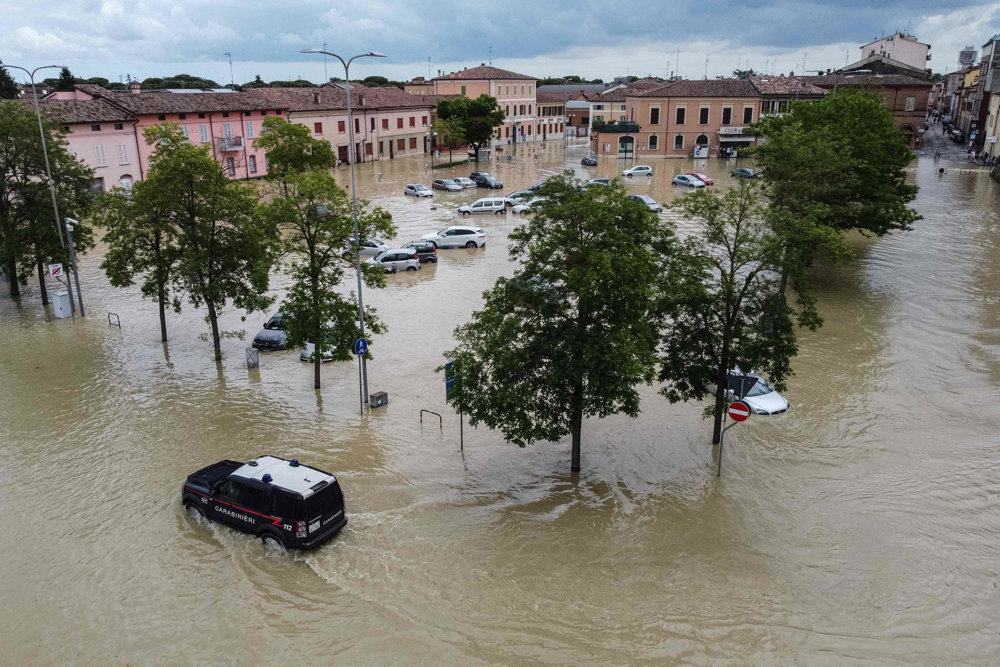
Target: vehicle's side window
284,504
231,491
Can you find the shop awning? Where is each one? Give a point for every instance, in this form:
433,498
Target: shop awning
735,138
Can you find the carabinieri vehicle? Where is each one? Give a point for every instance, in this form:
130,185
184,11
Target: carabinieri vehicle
280,501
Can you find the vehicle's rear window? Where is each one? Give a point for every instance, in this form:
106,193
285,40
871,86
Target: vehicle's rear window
326,501
284,504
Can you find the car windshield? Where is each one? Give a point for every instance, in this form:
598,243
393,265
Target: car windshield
646,199
379,256
760,388
420,187
443,232
274,323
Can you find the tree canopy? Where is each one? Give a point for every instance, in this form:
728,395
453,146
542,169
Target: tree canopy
291,148
8,87
477,117
562,340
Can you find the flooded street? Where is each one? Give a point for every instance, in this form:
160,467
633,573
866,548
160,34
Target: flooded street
862,525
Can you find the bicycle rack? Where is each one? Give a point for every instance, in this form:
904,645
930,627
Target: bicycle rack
117,321
440,420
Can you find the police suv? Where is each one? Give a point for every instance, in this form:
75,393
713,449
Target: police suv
280,501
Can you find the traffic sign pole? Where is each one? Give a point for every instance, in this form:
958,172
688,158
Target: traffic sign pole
739,411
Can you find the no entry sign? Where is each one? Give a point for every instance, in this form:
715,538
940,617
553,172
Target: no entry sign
738,411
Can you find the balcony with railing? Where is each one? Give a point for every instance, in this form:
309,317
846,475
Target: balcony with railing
228,144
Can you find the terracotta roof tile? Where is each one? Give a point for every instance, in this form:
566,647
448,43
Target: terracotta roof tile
785,85
869,80
86,111
702,88
333,97
483,72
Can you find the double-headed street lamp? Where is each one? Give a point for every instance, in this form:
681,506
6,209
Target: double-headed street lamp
48,174
354,196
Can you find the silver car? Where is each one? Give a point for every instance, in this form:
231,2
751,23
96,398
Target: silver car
446,184
368,248
397,259
457,236
650,203
465,182
418,190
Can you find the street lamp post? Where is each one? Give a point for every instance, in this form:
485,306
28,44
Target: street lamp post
430,146
354,195
72,256
48,173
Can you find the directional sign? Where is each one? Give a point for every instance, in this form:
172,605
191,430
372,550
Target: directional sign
55,270
449,379
360,346
738,411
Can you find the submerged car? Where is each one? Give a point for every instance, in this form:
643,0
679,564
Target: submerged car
282,502
689,181
702,176
464,182
367,248
457,237
527,206
418,190
638,170
446,184
756,392
273,336
650,203
745,172
397,259
589,161
426,252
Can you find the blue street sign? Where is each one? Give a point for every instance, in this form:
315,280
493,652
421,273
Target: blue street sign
449,379
360,346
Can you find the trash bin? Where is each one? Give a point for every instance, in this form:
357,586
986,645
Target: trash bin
60,304
378,399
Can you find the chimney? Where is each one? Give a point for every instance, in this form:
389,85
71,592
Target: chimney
361,100
134,88
315,98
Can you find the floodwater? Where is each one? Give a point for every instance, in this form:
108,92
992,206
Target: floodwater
861,526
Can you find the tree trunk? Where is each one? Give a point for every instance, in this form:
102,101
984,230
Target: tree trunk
213,318
161,298
721,380
576,425
15,288
41,280
316,364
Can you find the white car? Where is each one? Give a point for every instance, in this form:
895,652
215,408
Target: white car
496,205
650,203
457,237
368,248
465,182
526,206
757,393
418,190
690,181
638,170
397,259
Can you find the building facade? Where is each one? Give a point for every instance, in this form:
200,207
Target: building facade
515,93
904,48
688,118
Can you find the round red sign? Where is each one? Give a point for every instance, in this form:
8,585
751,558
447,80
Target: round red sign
739,411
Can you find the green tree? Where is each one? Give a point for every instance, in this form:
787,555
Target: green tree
29,236
256,83
66,80
572,333
142,241
478,118
315,216
291,148
449,132
226,250
375,81
722,308
831,166
8,87
741,73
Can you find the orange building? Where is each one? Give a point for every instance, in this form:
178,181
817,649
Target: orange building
514,92
688,118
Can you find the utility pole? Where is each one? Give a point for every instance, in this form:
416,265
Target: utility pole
326,77
804,54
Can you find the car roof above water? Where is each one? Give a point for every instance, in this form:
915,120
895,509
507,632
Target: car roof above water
297,479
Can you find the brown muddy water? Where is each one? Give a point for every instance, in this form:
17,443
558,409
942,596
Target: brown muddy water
861,526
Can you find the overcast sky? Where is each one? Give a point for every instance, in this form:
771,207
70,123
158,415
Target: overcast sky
112,38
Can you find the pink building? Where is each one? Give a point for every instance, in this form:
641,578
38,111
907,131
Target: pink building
388,122
227,122
102,136
514,92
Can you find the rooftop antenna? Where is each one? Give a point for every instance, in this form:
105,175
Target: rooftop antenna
491,55
706,67
232,81
804,54
677,68
326,77
428,68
